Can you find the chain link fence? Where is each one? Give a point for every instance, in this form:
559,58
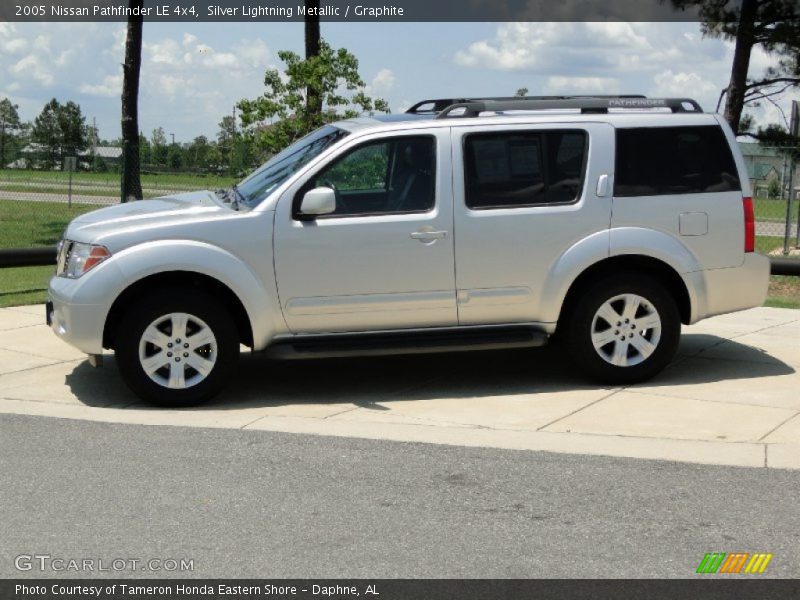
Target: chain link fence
774,172
36,205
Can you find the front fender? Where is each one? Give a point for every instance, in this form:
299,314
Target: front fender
260,301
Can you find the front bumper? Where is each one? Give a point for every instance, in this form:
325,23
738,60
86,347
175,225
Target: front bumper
77,323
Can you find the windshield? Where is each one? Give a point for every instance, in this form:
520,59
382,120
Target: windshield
255,188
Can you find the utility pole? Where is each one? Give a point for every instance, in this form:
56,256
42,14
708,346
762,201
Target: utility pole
173,138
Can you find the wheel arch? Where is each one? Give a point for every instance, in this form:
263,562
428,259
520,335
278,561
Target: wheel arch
672,281
184,279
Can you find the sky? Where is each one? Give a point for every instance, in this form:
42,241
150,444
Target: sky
193,74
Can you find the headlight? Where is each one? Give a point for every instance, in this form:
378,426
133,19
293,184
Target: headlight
75,259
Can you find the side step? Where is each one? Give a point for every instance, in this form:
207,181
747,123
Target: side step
454,339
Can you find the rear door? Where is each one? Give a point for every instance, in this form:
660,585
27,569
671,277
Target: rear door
524,194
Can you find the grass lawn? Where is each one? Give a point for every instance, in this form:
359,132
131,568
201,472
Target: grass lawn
25,285
771,210
26,224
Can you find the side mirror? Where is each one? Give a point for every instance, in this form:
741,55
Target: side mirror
319,201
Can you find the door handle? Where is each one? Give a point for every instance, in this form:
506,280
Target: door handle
428,236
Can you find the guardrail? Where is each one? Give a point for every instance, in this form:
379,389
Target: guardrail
34,257
27,257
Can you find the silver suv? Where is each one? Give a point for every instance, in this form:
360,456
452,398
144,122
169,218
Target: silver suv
463,224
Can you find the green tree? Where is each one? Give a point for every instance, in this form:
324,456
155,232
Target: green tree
773,26
198,153
774,188
10,128
73,129
60,130
281,115
46,133
158,141
175,156
522,92
145,150
227,142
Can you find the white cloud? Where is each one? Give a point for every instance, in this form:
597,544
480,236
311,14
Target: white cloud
32,67
582,85
110,87
383,82
668,83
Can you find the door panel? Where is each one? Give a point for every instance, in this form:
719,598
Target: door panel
505,249
351,272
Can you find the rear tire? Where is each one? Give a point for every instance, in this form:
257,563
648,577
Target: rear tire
624,329
178,347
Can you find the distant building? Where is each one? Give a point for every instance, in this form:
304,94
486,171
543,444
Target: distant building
764,165
111,155
35,156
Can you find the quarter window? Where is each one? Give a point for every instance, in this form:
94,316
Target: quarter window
513,169
657,161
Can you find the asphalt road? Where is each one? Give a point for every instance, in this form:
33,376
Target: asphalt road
260,504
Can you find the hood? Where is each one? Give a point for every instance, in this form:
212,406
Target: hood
143,214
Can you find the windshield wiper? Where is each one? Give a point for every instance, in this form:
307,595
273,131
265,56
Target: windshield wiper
238,197
232,196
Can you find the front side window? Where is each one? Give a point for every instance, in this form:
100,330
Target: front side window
524,168
657,161
395,175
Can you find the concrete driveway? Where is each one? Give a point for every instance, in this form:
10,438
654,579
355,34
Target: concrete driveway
731,397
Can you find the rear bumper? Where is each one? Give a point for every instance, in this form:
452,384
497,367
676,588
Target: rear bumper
738,288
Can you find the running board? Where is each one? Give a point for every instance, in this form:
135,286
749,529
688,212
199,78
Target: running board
456,339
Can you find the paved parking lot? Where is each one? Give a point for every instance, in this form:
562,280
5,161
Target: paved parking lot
731,397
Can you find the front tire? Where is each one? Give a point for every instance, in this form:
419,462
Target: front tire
178,347
624,330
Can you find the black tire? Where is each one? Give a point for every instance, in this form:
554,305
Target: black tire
581,325
199,305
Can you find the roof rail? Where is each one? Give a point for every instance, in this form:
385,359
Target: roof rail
586,104
440,104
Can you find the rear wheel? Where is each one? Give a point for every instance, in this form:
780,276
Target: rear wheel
623,330
177,348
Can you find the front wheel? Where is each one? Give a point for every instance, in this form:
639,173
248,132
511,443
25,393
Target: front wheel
177,348
624,330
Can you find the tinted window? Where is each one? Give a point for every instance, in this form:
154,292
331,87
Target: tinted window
524,168
674,160
388,176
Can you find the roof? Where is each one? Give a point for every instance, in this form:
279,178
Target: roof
760,170
104,152
754,149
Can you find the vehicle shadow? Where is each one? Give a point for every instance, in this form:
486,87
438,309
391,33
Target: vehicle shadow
375,383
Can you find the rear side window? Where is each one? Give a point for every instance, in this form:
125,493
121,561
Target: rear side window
524,168
656,161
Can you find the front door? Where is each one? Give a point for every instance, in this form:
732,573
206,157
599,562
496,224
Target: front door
384,259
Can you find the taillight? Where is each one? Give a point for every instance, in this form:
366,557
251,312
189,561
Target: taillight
749,225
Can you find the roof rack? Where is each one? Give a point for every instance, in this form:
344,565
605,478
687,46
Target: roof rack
440,104
586,104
